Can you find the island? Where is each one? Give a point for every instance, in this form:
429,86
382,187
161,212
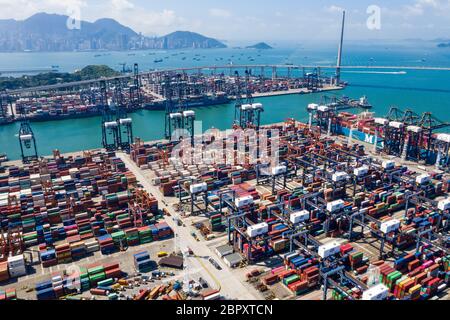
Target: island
44,79
260,46
444,45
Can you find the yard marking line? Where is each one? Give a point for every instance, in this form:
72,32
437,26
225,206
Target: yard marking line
212,275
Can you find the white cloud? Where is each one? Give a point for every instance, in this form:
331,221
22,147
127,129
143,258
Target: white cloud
22,9
419,8
221,13
149,22
122,4
333,8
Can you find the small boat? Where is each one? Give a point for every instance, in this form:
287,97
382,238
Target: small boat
158,60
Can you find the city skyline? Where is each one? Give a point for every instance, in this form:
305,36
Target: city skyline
274,21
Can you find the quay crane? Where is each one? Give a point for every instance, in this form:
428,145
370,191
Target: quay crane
125,123
178,119
135,89
110,127
117,127
27,141
248,114
325,114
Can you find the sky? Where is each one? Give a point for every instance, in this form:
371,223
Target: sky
258,20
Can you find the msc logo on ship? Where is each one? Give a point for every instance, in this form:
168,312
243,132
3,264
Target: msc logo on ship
369,138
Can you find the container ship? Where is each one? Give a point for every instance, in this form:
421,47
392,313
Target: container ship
193,101
400,133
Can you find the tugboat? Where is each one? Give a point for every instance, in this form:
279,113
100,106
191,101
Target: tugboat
364,103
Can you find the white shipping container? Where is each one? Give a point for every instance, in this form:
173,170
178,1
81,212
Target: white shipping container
378,292
339,176
381,121
299,216
14,261
15,273
257,229
415,129
199,187
396,124
390,226
444,137
329,249
444,204
423,178
279,170
361,171
243,201
388,164
335,205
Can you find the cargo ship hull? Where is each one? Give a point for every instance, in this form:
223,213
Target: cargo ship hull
371,139
192,103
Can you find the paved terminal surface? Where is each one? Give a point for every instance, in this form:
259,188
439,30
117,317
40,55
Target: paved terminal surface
231,287
232,283
24,284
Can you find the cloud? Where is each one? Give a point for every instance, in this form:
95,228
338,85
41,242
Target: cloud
149,22
419,7
333,8
122,4
22,9
221,13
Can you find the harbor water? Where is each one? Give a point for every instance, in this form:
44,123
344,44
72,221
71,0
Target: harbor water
418,90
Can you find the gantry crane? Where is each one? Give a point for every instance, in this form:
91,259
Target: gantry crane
110,127
27,140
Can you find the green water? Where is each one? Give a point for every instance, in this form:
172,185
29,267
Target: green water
418,90
82,134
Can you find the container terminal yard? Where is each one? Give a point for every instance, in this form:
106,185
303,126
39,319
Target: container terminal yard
354,207
199,87
337,218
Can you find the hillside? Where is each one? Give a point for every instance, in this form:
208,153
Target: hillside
186,40
260,46
49,32
87,73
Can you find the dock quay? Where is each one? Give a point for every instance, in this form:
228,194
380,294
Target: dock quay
197,87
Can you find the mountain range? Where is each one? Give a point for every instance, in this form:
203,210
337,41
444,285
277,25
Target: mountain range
49,32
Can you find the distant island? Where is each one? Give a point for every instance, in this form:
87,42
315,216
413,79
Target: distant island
444,45
43,79
49,32
260,46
